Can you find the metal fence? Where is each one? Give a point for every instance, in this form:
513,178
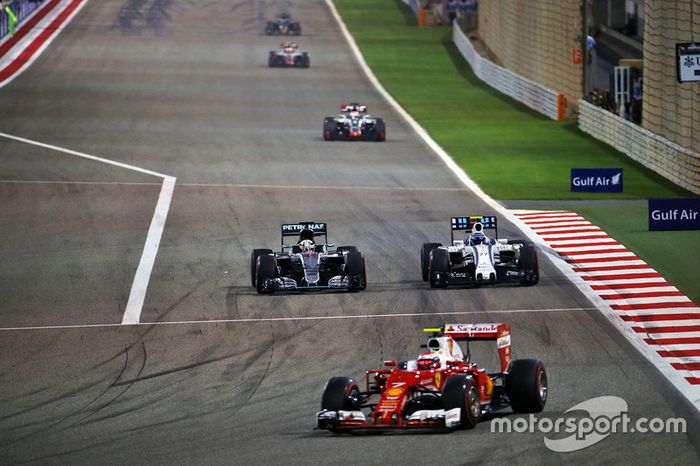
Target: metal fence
22,9
532,94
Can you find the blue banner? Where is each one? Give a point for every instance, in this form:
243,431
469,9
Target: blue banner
596,180
674,214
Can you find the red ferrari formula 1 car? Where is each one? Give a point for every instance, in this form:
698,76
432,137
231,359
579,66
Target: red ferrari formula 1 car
443,388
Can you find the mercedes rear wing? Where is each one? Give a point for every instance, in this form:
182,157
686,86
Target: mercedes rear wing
466,223
293,229
498,332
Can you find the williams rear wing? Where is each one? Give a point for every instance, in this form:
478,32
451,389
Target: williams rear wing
293,229
498,332
467,223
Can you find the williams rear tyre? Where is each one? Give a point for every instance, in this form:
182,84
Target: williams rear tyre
438,268
254,260
460,392
355,271
528,266
265,271
526,385
425,258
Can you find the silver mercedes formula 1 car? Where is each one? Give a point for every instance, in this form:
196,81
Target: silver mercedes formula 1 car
477,258
307,264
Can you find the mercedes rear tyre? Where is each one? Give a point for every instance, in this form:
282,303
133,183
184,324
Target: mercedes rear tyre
425,258
265,272
526,385
460,392
355,271
254,260
346,248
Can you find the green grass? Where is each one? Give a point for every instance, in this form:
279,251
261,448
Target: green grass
511,151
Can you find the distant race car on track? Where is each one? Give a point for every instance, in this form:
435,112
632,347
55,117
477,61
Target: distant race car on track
442,388
478,259
354,123
307,264
283,26
289,56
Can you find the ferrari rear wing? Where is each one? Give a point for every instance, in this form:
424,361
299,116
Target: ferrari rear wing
293,229
467,223
498,332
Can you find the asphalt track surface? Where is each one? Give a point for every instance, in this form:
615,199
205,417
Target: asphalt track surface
188,94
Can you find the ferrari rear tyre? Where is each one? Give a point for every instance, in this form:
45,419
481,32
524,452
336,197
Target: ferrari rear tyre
526,385
460,391
254,260
265,271
438,268
355,271
528,265
425,258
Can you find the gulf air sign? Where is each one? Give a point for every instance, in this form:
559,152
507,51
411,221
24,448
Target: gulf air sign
596,180
674,214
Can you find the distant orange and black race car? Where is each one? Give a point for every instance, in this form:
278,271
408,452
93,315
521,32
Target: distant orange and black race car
442,388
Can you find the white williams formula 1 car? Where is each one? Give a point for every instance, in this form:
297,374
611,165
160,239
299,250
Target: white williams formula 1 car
307,264
478,259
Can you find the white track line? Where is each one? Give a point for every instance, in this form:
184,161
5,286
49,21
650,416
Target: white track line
305,318
241,186
134,305
132,314
690,392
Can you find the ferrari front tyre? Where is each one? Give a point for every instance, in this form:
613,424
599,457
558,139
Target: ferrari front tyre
460,391
341,394
355,271
425,258
526,385
266,270
528,266
438,268
254,260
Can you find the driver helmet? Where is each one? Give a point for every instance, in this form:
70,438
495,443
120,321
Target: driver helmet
477,236
307,245
429,363
306,234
